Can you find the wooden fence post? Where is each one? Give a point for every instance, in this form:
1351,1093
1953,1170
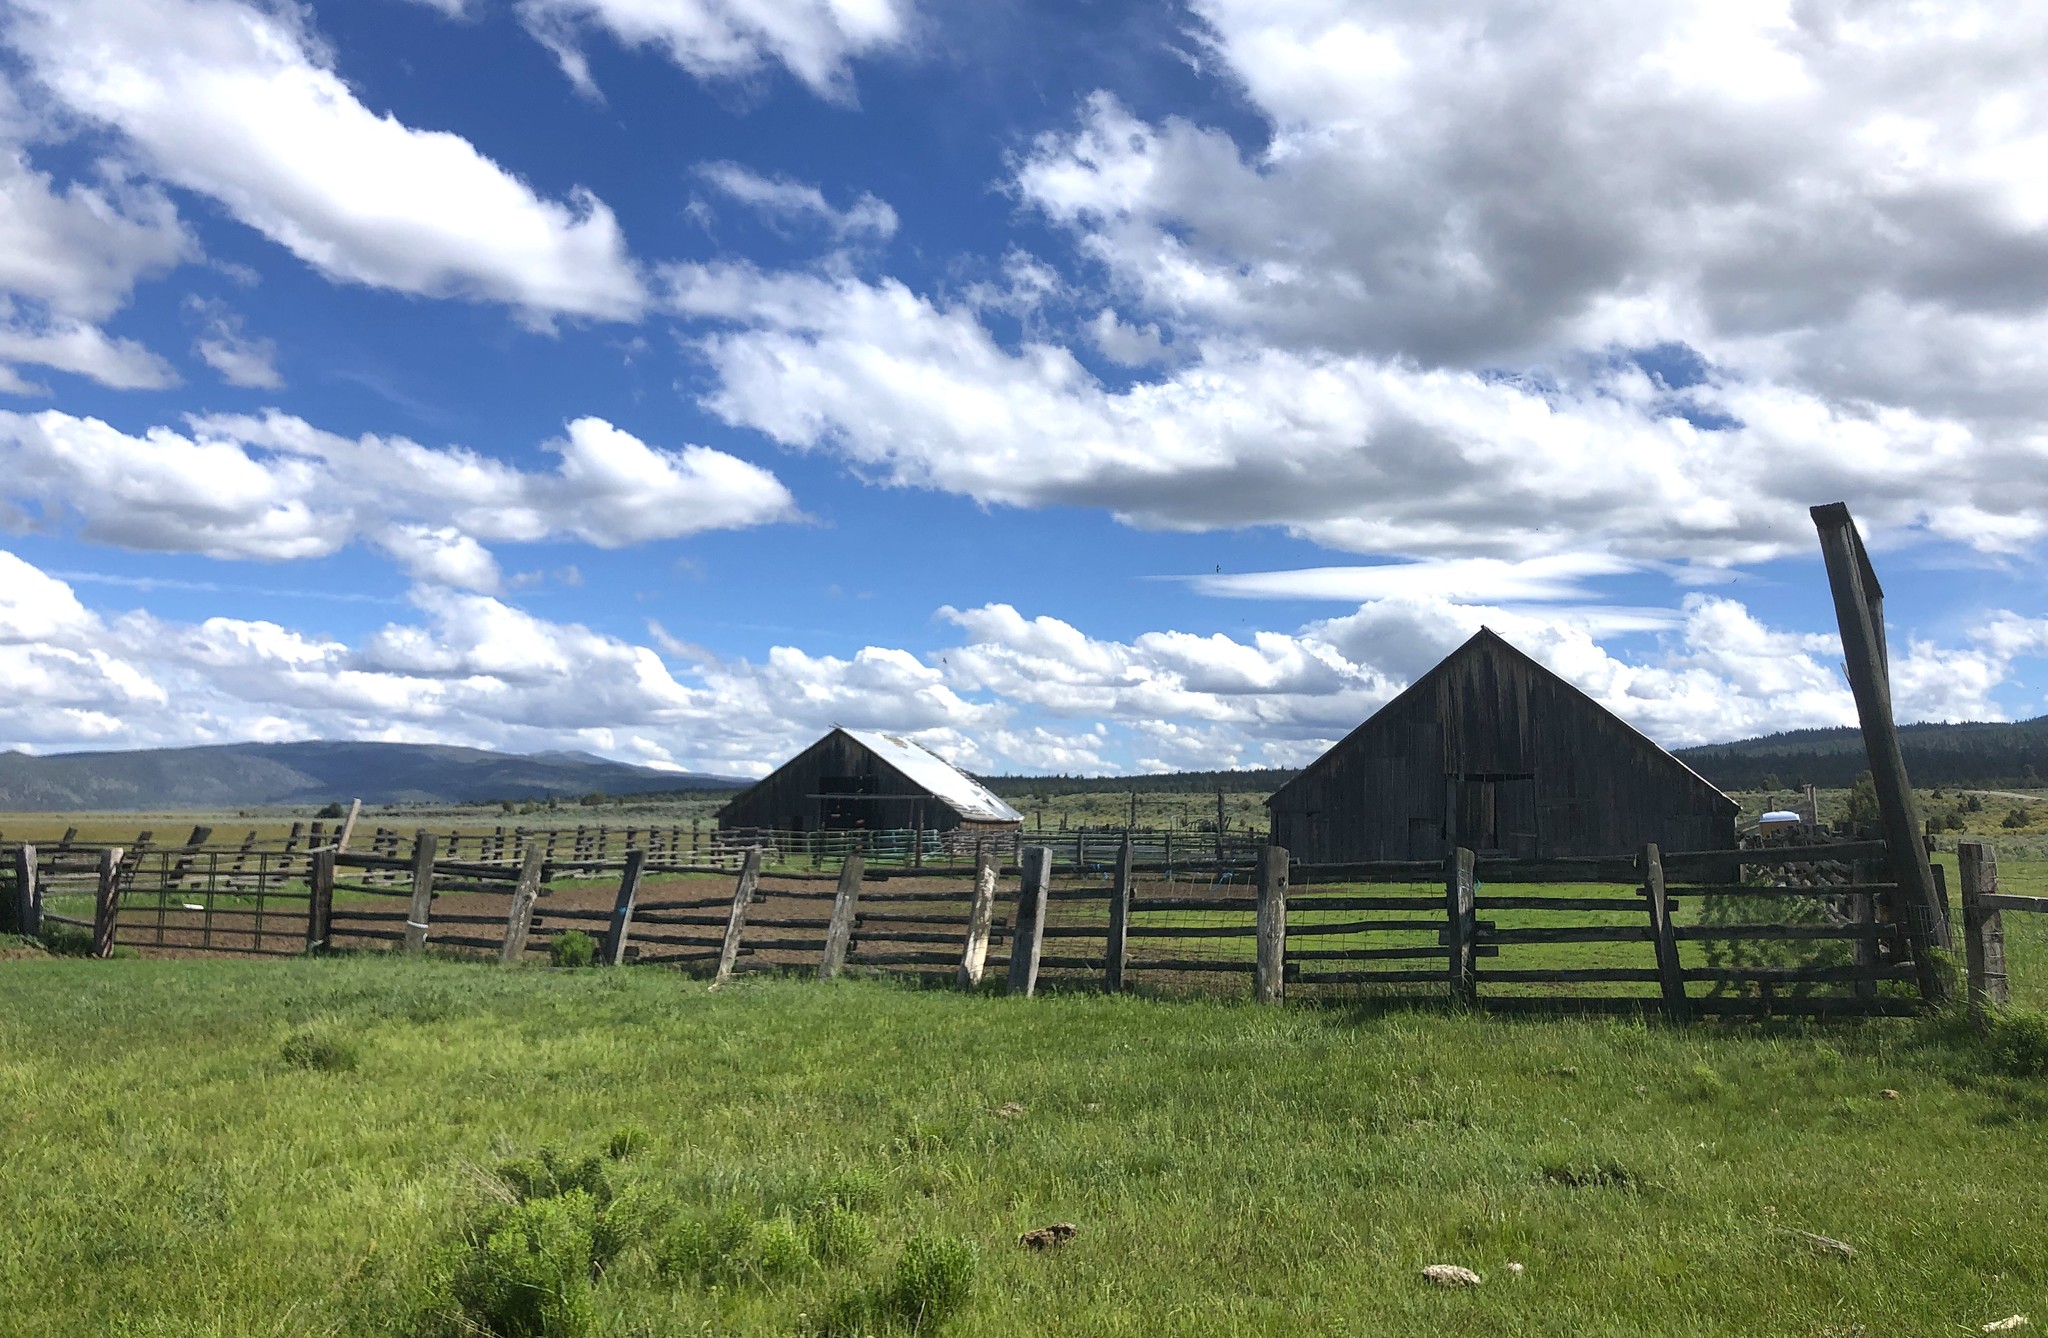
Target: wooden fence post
519,919
840,932
421,910
1119,921
1269,978
319,900
1670,976
1859,611
1027,938
981,916
28,893
1460,907
1983,928
107,903
348,826
736,922
621,927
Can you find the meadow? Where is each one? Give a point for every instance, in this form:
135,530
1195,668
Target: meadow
347,1145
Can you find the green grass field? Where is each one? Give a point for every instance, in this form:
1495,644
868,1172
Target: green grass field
186,1150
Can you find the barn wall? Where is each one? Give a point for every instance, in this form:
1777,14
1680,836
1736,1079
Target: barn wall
1550,773
786,799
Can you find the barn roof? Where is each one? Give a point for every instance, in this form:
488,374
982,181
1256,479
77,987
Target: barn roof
1486,639
934,774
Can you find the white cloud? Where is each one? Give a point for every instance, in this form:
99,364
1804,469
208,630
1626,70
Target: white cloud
728,39
80,250
243,104
69,345
240,360
275,487
1467,580
781,198
1008,693
1354,453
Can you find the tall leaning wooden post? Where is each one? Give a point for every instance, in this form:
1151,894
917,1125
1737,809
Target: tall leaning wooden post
1269,974
839,933
106,909
736,920
519,917
621,927
1983,928
1027,939
419,913
28,893
1119,943
1461,909
1859,611
981,916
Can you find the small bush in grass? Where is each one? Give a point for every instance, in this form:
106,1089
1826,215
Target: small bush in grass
1704,1083
572,948
2016,1041
931,1282
67,940
1591,1173
626,1140
527,1271
320,1050
712,1248
836,1234
552,1173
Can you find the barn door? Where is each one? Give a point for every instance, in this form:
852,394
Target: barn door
1495,814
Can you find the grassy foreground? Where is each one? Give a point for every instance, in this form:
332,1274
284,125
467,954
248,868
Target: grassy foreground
184,1150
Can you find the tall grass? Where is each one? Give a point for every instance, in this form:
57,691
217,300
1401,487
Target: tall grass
167,1167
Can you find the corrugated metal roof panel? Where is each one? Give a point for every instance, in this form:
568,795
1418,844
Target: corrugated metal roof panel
959,791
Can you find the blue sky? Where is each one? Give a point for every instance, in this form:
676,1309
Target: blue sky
1077,386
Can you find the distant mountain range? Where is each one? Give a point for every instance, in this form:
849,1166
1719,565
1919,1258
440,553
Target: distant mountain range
239,775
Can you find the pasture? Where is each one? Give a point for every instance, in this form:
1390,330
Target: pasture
229,1148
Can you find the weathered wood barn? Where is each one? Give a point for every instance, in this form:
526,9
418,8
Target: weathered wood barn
1493,752
854,779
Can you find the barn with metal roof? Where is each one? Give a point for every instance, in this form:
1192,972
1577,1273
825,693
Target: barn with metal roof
858,779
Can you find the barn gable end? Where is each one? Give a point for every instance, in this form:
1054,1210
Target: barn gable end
1492,751
855,779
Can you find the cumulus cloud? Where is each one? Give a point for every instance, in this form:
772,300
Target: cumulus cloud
274,487
815,40
240,359
1005,692
781,198
242,104
1349,451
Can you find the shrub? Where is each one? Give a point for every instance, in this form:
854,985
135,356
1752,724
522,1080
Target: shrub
2016,1041
572,948
836,1234
67,940
626,1140
1973,804
551,1174
711,1249
332,810
2018,817
320,1050
527,1273
932,1281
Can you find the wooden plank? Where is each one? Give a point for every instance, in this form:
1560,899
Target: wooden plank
519,916
1984,927
1117,946
1630,904
1269,981
423,846
1460,908
2007,901
1368,927
1837,852
620,930
1571,975
1245,905
736,917
106,902
319,900
980,916
1574,934
348,826
1775,932
1670,975
840,931
1186,964
1370,977
1312,902
1794,975
1865,890
1859,611
1168,931
1367,954
28,892
1029,941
